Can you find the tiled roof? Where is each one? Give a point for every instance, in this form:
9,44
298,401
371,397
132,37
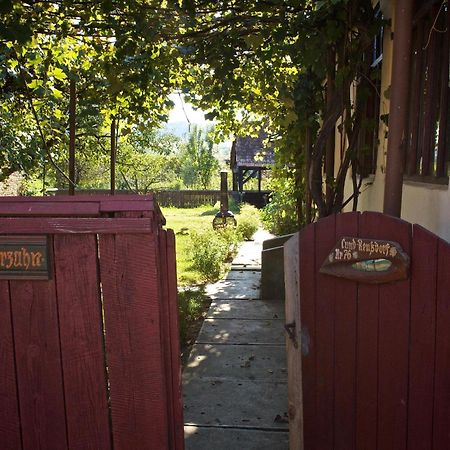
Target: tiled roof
251,152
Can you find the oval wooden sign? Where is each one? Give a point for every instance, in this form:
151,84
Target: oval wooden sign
367,261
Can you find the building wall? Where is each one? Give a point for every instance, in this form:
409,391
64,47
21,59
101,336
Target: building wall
422,203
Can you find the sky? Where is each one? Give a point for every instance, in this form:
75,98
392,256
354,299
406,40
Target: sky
178,115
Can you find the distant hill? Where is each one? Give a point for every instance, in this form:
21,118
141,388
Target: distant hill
181,129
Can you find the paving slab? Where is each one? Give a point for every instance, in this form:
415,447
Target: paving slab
234,439
238,362
245,309
241,331
240,274
243,288
235,403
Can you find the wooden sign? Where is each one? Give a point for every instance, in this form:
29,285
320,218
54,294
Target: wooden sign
367,261
24,258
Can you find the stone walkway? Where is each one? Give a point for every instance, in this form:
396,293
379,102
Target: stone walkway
235,382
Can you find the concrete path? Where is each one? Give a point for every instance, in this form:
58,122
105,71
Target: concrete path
235,382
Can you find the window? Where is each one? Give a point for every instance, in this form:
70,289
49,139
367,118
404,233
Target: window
368,136
427,140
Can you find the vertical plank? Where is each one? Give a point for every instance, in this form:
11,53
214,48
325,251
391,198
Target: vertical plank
345,346
9,408
39,372
422,339
293,347
175,342
393,346
441,424
165,334
325,309
308,333
132,322
367,351
82,342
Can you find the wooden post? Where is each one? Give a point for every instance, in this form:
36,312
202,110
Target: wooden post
113,156
329,155
293,343
72,130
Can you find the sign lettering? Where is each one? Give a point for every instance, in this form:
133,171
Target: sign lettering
24,257
367,260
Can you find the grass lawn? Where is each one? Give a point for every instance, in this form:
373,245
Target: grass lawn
192,301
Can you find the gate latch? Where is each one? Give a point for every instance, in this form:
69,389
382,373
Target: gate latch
290,330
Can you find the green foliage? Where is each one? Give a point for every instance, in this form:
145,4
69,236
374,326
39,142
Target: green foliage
199,162
192,304
248,221
211,249
279,216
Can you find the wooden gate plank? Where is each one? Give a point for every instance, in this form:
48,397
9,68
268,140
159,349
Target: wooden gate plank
39,372
441,425
325,309
293,343
345,346
177,418
165,333
82,342
422,339
367,352
307,265
9,409
393,341
132,316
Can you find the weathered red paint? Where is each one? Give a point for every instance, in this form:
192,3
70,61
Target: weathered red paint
376,364
90,358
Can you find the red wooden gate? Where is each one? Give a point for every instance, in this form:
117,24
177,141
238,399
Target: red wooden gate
376,358
90,358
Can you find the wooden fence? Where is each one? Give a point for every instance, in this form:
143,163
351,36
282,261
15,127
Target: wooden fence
89,359
188,198
370,362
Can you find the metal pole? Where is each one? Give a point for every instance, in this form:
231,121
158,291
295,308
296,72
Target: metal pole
113,157
72,130
223,192
398,108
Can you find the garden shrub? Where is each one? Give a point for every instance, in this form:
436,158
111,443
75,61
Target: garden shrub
211,249
248,221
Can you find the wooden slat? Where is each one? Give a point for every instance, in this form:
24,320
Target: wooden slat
393,337
325,310
345,346
53,209
177,418
367,351
78,198
165,333
293,347
422,339
9,408
132,321
443,151
415,97
430,99
82,342
39,372
441,409
308,332
39,225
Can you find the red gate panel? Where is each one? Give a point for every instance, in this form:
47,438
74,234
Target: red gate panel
376,364
89,359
